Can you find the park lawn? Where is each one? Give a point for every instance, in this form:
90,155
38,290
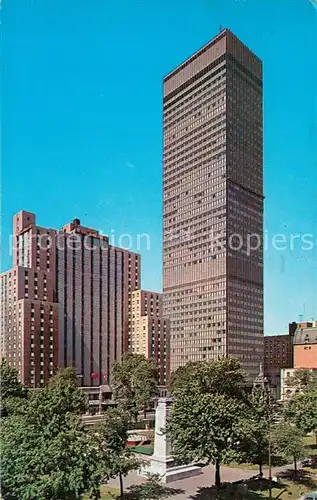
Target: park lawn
245,466
292,490
287,490
310,441
107,493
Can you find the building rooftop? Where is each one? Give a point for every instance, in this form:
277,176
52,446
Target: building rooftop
306,336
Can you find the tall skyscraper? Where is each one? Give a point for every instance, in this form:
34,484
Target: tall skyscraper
213,205
149,331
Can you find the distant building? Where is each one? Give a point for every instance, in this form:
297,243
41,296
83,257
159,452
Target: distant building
287,386
149,331
278,354
305,346
65,302
28,304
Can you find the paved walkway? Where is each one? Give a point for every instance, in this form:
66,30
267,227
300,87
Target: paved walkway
191,486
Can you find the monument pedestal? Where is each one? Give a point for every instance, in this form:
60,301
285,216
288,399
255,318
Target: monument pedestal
162,462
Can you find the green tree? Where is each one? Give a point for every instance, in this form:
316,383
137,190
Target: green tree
13,393
222,377
288,443
135,381
181,376
261,412
117,459
255,429
304,380
207,413
46,452
302,411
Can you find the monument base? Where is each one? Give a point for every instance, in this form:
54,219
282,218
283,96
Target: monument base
167,471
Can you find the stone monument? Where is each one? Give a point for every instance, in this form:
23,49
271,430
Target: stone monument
162,462
260,381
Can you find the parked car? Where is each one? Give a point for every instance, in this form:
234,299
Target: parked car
307,463
311,496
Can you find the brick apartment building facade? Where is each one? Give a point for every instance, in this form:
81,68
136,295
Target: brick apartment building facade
65,302
95,282
278,354
28,305
149,331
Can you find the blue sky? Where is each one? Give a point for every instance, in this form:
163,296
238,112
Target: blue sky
82,120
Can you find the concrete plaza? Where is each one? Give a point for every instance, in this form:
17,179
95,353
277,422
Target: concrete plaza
191,487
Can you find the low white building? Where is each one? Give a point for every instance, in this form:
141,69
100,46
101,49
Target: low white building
287,388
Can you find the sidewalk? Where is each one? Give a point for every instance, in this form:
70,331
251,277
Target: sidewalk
206,479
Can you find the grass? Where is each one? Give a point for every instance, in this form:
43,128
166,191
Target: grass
310,441
143,450
107,493
245,466
287,491
257,490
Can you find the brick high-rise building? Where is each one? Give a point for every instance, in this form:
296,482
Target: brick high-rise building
278,354
213,205
28,307
65,302
149,331
95,282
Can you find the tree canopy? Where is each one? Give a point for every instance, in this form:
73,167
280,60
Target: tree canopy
304,380
288,442
207,413
134,380
13,393
46,452
225,376
302,411
117,459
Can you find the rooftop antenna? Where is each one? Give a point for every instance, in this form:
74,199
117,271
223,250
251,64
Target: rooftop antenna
220,27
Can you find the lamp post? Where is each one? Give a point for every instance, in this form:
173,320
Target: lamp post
270,461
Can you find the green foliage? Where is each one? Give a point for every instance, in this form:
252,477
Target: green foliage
205,429
304,380
181,376
261,412
152,489
13,394
45,451
255,429
288,442
222,377
302,411
117,459
207,413
135,381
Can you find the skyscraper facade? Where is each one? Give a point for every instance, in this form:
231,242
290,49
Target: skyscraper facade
213,205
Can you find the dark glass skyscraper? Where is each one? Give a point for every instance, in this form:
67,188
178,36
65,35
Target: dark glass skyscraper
213,205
